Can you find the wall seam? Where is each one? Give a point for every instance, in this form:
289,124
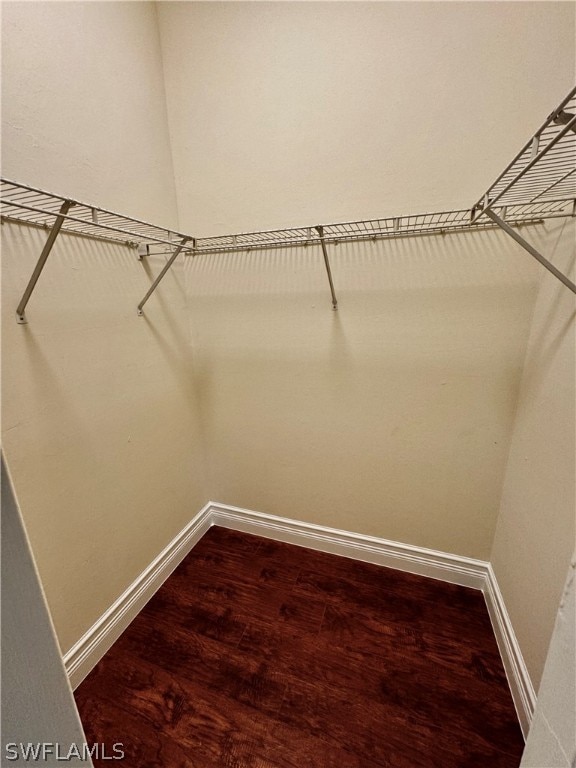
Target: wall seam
167,113
516,409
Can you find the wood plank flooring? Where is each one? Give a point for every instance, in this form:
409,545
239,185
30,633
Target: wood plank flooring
258,654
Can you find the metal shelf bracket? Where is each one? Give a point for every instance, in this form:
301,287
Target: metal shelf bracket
531,250
565,118
320,231
542,175
167,266
21,309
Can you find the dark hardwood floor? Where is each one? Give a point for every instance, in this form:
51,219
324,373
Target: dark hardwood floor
257,654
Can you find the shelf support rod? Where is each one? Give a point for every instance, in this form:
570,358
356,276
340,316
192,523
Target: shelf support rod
320,231
531,250
167,266
21,309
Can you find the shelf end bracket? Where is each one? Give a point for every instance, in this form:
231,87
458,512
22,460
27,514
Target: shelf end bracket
531,250
60,218
167,266
320,231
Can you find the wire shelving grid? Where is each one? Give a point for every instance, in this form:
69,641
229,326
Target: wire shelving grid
30,205
539,183
544,171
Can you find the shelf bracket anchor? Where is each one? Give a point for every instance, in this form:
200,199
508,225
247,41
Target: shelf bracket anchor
167,266
21,309
531,250
320,231
565,118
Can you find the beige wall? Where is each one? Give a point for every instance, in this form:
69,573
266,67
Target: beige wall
99,422
289,114
390,417
536,528
83,105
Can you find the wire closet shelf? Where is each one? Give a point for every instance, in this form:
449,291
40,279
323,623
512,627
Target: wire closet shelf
545,168
539,184
29,205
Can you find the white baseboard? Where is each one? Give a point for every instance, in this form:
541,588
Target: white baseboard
466,571
517,673
87,652
403,557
